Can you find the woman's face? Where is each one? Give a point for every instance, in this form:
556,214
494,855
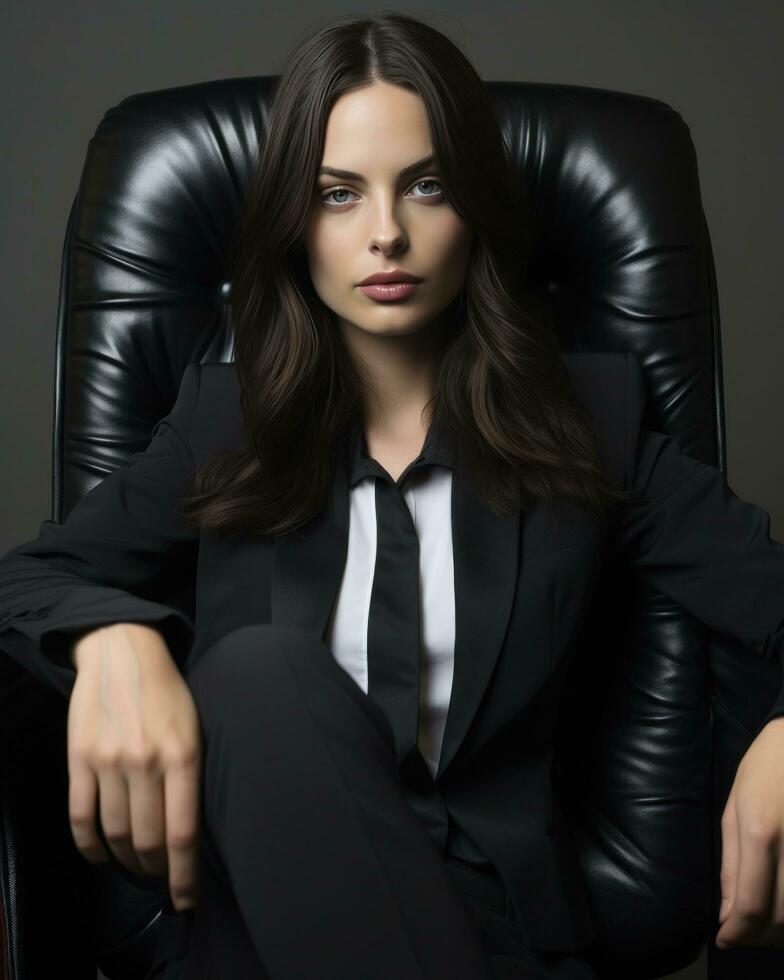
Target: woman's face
385,219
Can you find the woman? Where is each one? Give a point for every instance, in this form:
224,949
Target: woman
315,777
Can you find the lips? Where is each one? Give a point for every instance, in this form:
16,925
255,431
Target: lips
388,291
393,276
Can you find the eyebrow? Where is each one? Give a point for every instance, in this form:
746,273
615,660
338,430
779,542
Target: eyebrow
405,172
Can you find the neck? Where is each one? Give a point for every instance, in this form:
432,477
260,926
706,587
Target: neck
399,374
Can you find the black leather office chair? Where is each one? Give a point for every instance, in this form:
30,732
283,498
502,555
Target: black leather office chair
661,709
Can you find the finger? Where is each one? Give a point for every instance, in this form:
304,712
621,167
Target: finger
82,796
116,819
750,915
148,830
730,855
182,801
778,898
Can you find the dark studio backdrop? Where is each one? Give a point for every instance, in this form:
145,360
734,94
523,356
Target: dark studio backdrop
716,62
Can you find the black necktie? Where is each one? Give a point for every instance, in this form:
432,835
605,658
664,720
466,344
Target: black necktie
394,627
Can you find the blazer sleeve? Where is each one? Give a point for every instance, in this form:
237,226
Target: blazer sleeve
120,550
689,535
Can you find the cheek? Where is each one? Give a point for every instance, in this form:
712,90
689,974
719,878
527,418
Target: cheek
462,235
454,235
325,254
331,241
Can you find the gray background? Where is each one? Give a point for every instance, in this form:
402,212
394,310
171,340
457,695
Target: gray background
718,63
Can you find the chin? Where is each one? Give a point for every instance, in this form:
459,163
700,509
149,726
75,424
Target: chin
394,328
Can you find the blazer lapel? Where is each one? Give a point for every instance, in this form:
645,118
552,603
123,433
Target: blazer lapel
485,550
308,564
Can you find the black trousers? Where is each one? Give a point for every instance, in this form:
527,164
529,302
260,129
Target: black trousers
312,863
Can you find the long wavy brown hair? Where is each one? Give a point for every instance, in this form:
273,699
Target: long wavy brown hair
501,384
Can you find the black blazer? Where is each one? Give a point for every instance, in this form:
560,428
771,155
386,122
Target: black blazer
523,584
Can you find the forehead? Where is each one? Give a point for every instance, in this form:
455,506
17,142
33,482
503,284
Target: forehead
380,127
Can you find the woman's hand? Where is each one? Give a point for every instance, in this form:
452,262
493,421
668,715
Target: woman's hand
752,864
134,742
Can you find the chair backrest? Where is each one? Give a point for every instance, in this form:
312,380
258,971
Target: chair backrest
622,260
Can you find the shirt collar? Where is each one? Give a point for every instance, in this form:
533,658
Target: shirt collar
440,448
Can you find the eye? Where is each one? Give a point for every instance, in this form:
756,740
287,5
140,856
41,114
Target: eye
431,182
344,190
